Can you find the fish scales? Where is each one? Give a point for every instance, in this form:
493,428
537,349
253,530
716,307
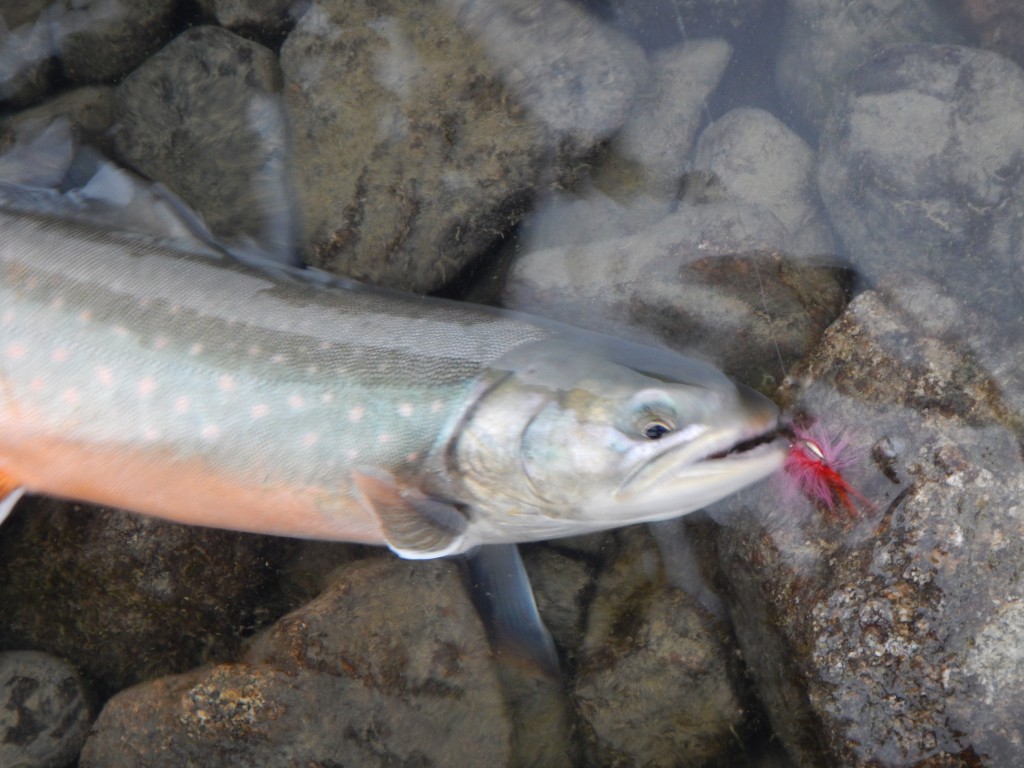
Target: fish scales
122,347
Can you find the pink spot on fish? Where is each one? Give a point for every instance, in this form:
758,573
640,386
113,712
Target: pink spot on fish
210,432
146,386
259,410
15,351
296,402
71,396
182,405
309,439
406,410
105,376
226,383
59,355
356,414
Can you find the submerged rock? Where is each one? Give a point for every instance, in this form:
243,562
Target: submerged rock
705,280
998,24
658,137
125,597
920,166
658,680
83,42
411,154
824,40
202,117
44,711
388,666
574,74
888,637
762,162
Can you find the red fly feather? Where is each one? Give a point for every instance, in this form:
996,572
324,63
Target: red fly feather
814,468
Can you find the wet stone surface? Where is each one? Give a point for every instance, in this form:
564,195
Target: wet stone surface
919,164
411,155
388,666
658,680
44,710
877,639
823,41
202,115
104,589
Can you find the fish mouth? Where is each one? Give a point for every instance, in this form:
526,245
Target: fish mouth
750,444
690,475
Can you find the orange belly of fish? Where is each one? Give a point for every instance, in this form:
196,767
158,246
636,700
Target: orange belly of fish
187,491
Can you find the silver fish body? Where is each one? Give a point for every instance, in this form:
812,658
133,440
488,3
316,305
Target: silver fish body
155,377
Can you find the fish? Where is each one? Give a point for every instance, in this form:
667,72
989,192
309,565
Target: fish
168,375
154,378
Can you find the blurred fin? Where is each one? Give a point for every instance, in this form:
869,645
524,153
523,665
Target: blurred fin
416,526
40,155
682,564
46,172
10,494
500,590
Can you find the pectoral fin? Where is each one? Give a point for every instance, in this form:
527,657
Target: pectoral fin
416,526
10,493
500,590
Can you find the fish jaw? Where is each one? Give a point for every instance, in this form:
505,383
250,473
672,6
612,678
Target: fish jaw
690,474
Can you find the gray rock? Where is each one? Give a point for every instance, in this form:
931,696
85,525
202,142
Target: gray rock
44,711
562,585
658,682
574,74
91,42
659,134
764,163
202,117
998,25
824,40
703,280
28,64
890,638
411,154
90,108
389,666
102,40
920,163
565,219
657,22
263,20
125,597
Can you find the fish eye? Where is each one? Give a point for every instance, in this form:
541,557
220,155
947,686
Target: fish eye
651,414
655,430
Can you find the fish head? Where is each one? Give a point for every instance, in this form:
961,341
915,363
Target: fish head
613,434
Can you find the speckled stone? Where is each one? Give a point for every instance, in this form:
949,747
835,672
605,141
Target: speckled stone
202,117
824,40
125,597
658,682
388,666
891,637
410,154
44,711
920,165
